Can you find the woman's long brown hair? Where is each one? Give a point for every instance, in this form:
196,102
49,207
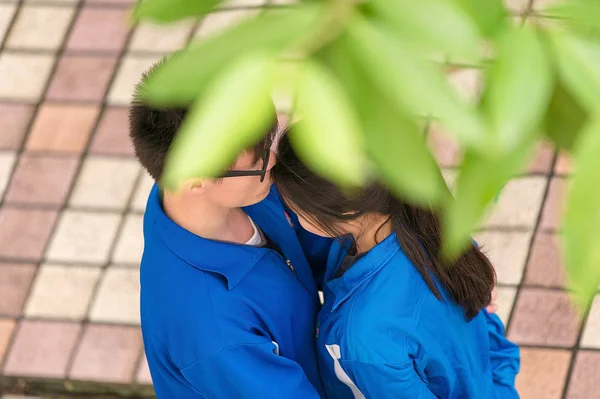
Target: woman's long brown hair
469,280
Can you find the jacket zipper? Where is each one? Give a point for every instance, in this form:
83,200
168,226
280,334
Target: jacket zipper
292,268
287,261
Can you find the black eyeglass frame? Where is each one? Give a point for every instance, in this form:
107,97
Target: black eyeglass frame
244,173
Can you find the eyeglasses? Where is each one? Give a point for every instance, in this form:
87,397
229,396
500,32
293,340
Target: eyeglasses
243,173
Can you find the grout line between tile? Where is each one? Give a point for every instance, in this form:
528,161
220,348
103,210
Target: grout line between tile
504,229
531,242
83,53
554,347
522,284
526,13
63,155
22,261
11,340
138,363
119,230
537,225
108,4
61,207
141,355
63,319
104,104
11,24
59,4
550,230
521,175
70,52
16,101
574,349
86,320
70,264
535,286
575,352
20,150
192,34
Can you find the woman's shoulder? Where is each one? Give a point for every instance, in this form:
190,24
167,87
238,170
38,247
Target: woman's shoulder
397,301
398,280
410,292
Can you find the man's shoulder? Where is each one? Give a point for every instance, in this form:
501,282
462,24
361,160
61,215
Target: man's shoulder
168,277
177,314
194,316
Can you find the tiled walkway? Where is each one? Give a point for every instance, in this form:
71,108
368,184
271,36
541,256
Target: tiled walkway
73,197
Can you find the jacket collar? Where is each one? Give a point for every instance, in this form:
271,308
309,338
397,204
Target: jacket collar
362,271
232,261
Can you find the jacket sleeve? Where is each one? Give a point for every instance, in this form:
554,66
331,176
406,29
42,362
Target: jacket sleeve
316,248
248,371
504,358
384,381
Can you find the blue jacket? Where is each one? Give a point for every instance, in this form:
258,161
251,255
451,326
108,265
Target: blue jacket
383,334
221,320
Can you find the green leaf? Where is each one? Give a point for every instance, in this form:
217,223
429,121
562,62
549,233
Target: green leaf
183,77
579,67
233,115
402,156
436,24
414,84
489,15
338,56
582,16
520,75
328,139
394,141
479,182
582,217
163,11
564,119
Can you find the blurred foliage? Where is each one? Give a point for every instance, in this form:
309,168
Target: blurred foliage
366,75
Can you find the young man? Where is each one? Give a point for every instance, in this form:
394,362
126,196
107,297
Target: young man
228,300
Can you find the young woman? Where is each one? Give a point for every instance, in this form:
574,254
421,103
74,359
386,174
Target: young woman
397,323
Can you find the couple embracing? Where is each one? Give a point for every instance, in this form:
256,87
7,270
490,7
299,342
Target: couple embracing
232,269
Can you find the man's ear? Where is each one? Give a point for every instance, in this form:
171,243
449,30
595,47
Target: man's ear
196,186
